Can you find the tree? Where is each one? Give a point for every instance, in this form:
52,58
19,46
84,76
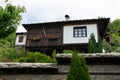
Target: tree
108,48
113,31
116,41
78,70
113,26
99,46
10,17
92,45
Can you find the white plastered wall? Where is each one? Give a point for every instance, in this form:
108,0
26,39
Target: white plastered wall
17,43
68,34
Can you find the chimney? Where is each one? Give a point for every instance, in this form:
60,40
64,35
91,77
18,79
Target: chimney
67,17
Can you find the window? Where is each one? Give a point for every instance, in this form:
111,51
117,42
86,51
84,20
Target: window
80,32
21,38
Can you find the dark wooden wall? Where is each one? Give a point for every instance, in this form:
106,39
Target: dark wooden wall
45,36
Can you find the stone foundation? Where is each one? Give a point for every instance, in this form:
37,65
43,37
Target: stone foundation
101,67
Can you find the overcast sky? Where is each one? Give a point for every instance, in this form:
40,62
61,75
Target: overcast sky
55,10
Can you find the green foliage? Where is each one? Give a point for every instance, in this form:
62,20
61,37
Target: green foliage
6,0
7,50
54,56
6,47
108,48
113,31
9,54
116,41
99,46
67,51
36,57
92,45
10,17
24,59
78,70
113,26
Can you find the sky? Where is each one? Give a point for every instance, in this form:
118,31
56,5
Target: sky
54,10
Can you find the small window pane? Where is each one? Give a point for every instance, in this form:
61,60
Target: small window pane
80,35
75,35
84,35
80,32
76,30
83,30
21,38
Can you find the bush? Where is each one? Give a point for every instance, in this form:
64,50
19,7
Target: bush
108,48
8,54
92,46
21,53
23,59
53,56
78,70
99,46
67,51
36,57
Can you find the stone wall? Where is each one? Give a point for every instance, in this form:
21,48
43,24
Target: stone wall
104,66
101,67
33,77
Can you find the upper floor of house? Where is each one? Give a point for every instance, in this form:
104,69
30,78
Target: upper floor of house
64,32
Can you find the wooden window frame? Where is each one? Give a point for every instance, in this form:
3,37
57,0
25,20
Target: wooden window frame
21,39
80,31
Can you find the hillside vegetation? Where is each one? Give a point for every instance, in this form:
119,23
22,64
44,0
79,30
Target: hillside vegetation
113,31
8,53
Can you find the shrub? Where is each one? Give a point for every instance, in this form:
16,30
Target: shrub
36,57
21,53
1,57
108,48
99,46
53,56
9,54
92,46
24,59
78,70
67,51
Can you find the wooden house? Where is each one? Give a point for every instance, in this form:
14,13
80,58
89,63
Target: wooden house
69,34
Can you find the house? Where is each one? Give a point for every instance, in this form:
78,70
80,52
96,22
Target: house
69,34
20,38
